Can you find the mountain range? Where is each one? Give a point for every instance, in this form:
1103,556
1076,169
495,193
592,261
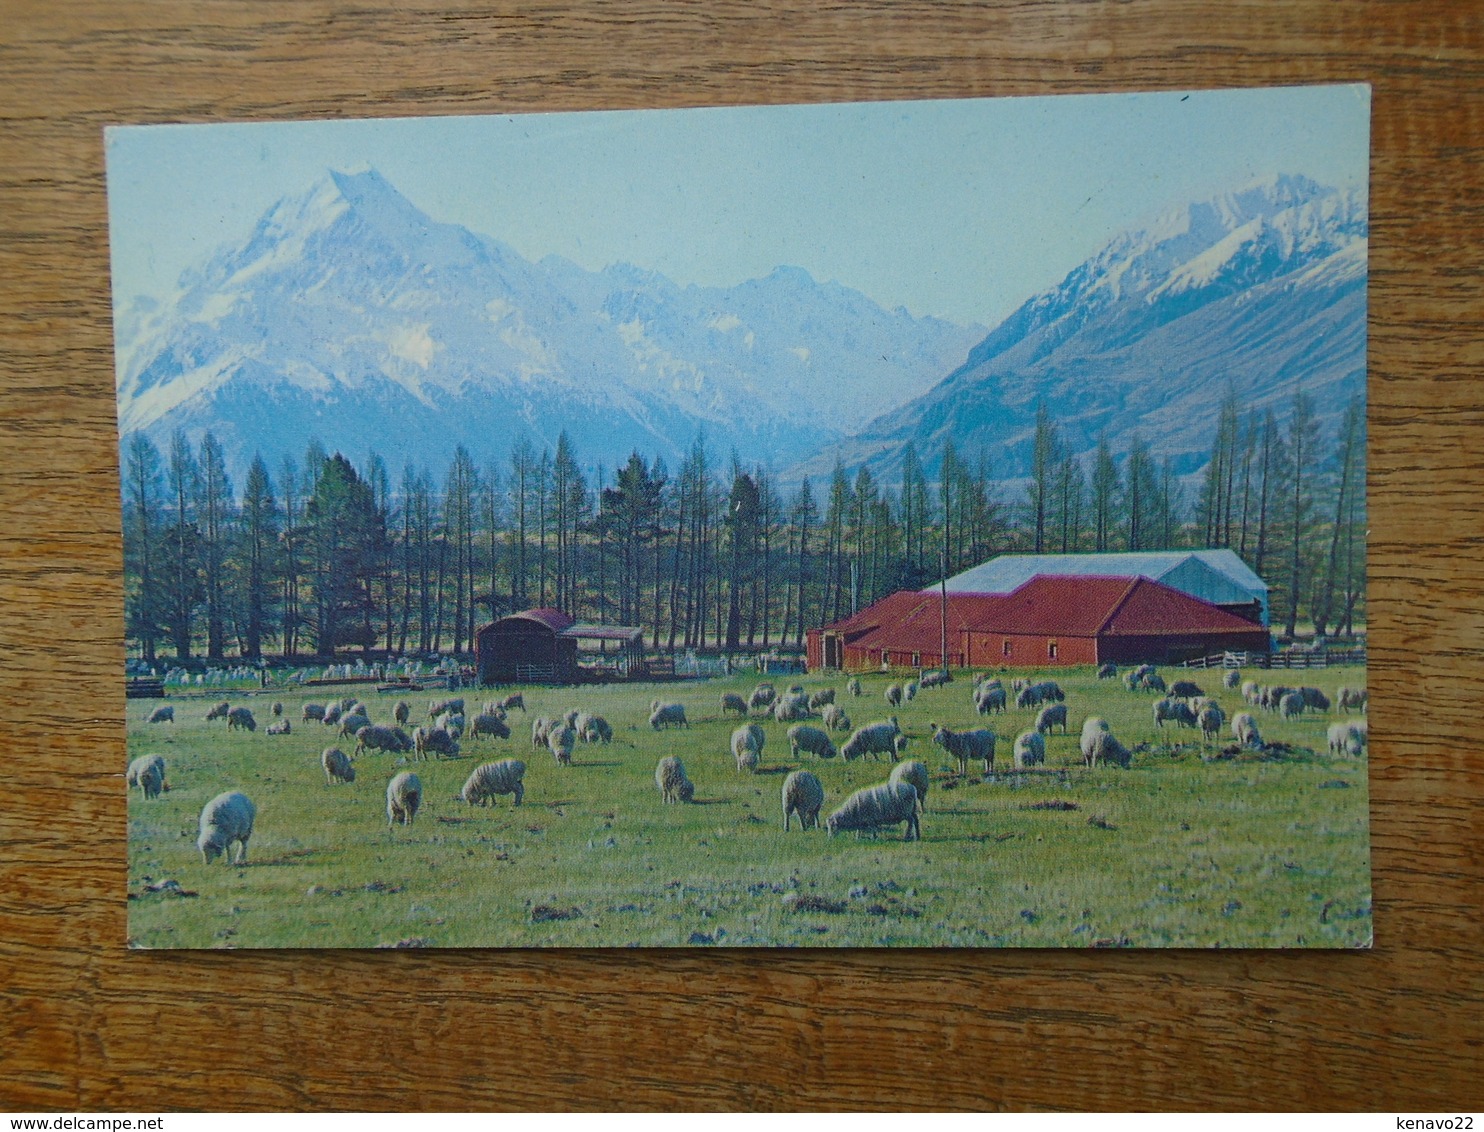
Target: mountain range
351,317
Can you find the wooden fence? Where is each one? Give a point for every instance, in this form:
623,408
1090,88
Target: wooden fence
1289,658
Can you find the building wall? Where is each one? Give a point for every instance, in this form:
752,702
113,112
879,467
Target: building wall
500,650
1176,649
1028,650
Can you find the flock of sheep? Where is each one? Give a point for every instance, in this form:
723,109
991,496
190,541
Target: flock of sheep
227,819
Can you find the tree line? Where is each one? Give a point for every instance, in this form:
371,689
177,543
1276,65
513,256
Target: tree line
319,556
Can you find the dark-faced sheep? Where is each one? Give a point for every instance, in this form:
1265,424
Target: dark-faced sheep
444,707
162,715
1185,690
1107,671
404,797
915,772
966,745
877,806
277,709
1314,699
226,819
1350,699
240,717
491,780
802,737
936,678
803,796
218,711
1231,678
337,766
1052,715
674,786
148,773
731,701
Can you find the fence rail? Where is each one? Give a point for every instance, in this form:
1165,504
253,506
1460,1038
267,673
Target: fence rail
1289,658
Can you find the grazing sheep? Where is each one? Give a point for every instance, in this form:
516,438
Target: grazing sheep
747,746
853,686
1362,728
404,795
313,711
561,741
1210,719
491,725
820,698
731,701
594,729
762,697
513,701
401,713
1342,740
1154,682
1244,730
873,739
915,772
669,776
1350,699
909,691
277,709
434,739
1050,716
1176,711
989,698
492,779
540,729
1291,706
876,806
350,724
219,711
241,717
1099,745
802,737
1030,749
802,795
337,767
444,707
331,714
1107,671
835,718
893,695
1314,699
453,723
571,718
162,715
226,818
1251,691
792,706
148,773
1132,680
1231,678
966,745
1185,690
374,737
1272,698
935,679
796,690
1034,695
667,715
279,727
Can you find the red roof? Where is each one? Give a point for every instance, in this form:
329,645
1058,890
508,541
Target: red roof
553,619
1048,605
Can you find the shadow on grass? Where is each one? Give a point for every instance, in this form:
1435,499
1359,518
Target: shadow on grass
586,763
710,802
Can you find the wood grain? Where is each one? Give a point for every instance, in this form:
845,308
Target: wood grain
85,1024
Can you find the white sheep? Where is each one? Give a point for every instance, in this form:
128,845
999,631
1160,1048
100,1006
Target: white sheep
314,712
488,725
218,711
820,698
1244,730
164,714
280,727
1292,705
762,697
876,806
594,729
277,709
225,819
835,718
337,767
443,707
989,698
802,737
1030,749
331,713
374,737
731,701
401,713
1350,699
1176,711
493,779
935,679
1251,692
240,717
404,796
915,772
747,746
853,686
1210,718
893,695
513,701
873,739
966,745
1050,716
1231,678
909,691
434,739
561,740
667,715
540,728
1345,738
674,786
792,706
148,773
353,722
1099,745
802,795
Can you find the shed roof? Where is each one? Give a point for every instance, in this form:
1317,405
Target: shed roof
552,619
603,632
1008,572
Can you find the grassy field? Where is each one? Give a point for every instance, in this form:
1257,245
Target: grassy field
1192,846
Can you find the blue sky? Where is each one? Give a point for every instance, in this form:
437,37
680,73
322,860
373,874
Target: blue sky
961,208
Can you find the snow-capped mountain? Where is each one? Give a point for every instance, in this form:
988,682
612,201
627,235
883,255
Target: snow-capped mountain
351,317
1264,288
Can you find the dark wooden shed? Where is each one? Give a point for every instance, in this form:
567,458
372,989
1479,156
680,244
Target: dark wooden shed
540,646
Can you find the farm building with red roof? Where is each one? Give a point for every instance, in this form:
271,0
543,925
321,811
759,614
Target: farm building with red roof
1049,621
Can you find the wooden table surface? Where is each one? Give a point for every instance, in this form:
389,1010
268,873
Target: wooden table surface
86,1025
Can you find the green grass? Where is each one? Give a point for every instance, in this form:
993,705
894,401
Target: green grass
1187,848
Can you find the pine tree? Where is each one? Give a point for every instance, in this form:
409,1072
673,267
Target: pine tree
142,476
258,553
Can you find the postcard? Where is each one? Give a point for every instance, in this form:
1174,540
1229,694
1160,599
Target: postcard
905,524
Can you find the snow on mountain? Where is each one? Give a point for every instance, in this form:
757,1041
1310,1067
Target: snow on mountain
1263,288
350,316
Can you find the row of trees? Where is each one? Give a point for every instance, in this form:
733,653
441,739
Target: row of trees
318,555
